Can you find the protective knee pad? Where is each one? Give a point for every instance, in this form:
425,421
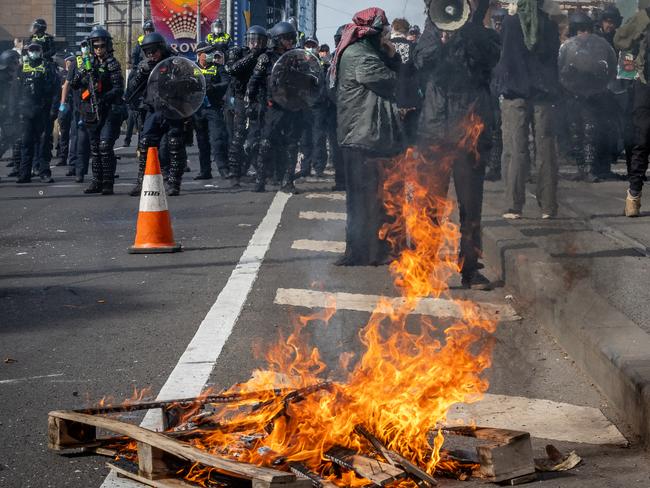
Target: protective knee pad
108,158
177,157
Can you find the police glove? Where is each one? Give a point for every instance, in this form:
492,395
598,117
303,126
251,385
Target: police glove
63,108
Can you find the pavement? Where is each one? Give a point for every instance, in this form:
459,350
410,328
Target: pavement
83,319
582,275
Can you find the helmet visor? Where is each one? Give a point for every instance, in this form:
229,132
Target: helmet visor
256,41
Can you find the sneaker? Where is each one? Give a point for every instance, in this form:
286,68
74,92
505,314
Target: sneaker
510,215
47,179
546,216
203,177
476,282
632,205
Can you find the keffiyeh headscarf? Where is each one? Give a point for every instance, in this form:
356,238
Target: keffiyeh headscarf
368,22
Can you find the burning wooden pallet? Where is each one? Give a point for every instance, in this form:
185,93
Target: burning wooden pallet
162,456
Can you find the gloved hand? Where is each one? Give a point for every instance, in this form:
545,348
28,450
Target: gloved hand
63,108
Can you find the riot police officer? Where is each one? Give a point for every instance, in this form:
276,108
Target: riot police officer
9,80
209,123
136,52
102,109
38,86
300,36
40,36
240,70
219,38
280,129
155,49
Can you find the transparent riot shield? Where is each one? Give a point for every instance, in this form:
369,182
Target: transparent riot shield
587,64
176,87
297,80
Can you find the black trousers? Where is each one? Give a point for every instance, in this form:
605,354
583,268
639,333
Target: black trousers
211,138
32,133
365,210
278,149
469,176
641,145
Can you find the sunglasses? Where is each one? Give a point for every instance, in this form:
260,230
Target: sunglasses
99,46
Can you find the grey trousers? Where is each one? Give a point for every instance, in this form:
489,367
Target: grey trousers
516,116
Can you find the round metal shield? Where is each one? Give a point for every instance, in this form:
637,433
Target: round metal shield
297,80
176,87
587,64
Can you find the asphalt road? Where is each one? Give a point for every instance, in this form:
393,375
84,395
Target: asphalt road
83,319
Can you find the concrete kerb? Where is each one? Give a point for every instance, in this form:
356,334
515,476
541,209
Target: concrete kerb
606,344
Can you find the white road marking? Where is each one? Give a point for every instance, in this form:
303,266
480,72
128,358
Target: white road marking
436,307
326,196
195,365
309,215
18,380
319,246
544,419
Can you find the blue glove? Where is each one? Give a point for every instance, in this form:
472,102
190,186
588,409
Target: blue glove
63,108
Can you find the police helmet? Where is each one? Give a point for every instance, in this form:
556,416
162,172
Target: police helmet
39,26
611,13
8,59
217,27
294,22
148,26
284,30
498,13
257,35
154,41
203,47
579,21
312,41
99,33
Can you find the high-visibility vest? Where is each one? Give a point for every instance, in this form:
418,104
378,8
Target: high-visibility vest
140,39
212,70
34,69
214,39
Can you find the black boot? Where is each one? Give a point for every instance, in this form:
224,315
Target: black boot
177,164
143,148
109,163
95,186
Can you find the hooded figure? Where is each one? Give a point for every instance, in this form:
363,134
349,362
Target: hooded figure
365,72
455,67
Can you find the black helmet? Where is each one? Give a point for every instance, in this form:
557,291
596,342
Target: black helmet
9,58
294,22
203,46
284,30
39,25
339,34
258,35
101,33
610,12
217,26
154,40
148,26
579,21
499,13
312,40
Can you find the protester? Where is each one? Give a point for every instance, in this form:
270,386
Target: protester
365,71
456,67
527,79
407,96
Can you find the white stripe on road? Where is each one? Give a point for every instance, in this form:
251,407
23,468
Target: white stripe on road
542,418
326,196
18,380
436,307
322,215
195,365
319,246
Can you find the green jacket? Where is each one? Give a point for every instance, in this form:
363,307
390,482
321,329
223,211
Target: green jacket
367,114
631,36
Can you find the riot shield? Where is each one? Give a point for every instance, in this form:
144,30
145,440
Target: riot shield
297,80
176,87
587,63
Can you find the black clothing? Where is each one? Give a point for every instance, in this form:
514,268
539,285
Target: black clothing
641,146
521,73
47,43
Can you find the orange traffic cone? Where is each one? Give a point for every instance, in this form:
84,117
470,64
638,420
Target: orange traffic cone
154,232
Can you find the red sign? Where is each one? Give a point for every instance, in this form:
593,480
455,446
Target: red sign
176,20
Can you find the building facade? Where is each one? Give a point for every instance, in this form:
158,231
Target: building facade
17,16
74,20
267,13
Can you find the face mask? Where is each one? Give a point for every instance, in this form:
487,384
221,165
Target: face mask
33,55
209,58
217,31
311,50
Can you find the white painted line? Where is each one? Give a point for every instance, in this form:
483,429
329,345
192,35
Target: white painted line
544,419
18,380
195,365
436,307
319,246
322,215
326,196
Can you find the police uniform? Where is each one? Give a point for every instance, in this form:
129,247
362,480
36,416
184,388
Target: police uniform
209,123
101,115
38,87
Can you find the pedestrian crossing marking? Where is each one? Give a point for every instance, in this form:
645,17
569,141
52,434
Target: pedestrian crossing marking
319,246
436,307
326,196
544,419
310,215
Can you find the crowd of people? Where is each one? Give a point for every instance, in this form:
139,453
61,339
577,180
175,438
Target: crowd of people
384,87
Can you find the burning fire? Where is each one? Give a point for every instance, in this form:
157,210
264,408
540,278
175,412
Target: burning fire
410,371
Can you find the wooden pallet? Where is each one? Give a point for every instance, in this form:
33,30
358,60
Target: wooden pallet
159,455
